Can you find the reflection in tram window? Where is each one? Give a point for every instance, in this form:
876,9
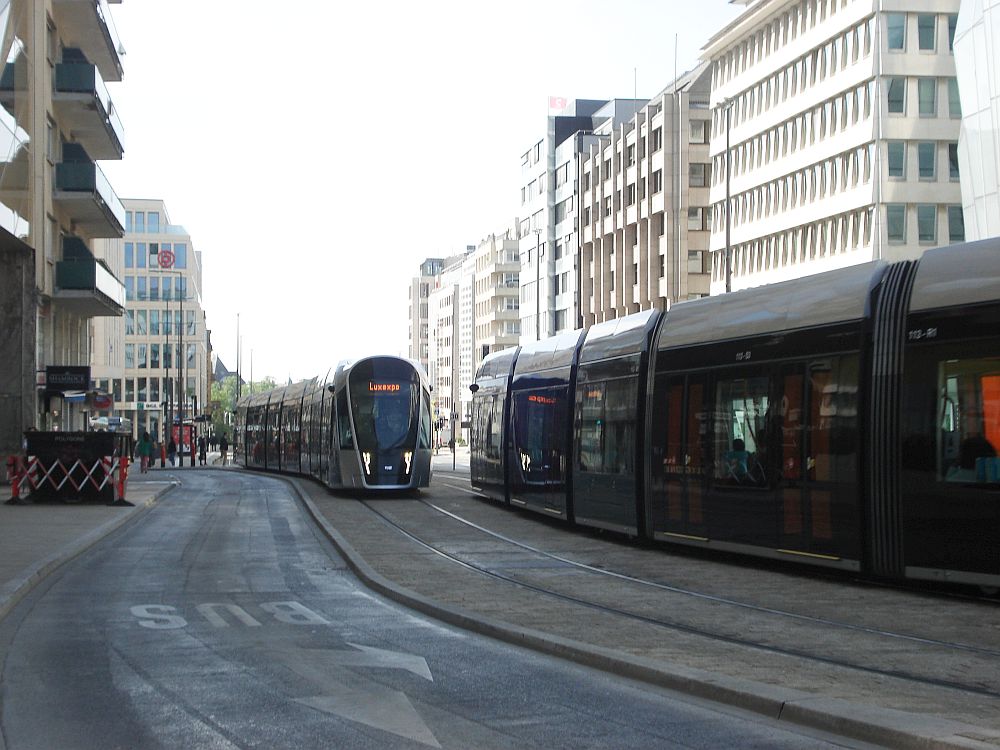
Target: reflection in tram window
382,413
607,426
540,421
969,413
741,416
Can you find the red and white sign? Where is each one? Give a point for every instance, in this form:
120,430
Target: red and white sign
166,259
103,402
557,104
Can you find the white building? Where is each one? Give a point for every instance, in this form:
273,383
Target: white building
549,298
842,121
636,177
156,365
419,331
977,48
450,314
497,299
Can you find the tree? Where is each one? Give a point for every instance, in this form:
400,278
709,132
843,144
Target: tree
224,401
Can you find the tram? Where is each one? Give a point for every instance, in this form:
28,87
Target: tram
365,425
849,419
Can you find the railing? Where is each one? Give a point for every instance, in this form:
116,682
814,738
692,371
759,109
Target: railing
83,78
87,177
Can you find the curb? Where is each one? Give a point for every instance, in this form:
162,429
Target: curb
880,726
15,590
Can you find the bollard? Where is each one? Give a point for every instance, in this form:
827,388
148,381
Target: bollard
16,474
121,483
163,455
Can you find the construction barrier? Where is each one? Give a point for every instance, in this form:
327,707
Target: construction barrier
72,467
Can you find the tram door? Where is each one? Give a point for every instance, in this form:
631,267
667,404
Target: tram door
815,428
680,430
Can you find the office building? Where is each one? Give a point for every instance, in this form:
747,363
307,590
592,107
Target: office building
418,330
547,233
636,176
977,61
163,372
834,137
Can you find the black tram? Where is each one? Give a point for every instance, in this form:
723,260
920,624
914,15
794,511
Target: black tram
849,419
365,426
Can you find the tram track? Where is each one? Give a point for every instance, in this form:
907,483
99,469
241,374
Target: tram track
987,659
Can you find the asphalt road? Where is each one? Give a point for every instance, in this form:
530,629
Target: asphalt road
224,619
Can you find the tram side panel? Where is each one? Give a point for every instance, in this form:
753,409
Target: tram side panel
950,431
490,418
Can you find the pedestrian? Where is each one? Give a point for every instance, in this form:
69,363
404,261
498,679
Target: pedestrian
223,448
172,452
145,451
202,449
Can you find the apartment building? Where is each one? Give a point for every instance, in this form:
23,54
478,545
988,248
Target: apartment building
160,366
450,313
418,333
977,62
834,136
548,240
497,296
645,205
56,121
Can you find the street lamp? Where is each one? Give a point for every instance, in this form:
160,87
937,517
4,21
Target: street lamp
164,267
727,104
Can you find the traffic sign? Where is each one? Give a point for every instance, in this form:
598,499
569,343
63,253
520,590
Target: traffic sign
166,258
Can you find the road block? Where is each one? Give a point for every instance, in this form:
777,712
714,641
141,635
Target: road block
76,467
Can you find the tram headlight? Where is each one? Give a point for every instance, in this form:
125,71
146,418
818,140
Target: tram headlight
367,458
408,460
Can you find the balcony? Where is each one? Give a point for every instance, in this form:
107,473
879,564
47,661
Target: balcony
85,285
85,109
85,194
87,25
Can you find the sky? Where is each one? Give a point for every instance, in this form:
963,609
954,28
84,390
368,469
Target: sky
317,152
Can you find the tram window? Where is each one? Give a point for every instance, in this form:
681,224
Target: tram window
540,424
833,420
741,416
968,409
494,424
344,421
607,426
425,420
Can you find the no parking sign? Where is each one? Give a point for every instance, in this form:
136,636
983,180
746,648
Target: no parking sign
165,259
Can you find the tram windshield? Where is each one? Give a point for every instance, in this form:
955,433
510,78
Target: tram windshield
384,399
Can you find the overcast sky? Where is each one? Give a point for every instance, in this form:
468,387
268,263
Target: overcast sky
317,151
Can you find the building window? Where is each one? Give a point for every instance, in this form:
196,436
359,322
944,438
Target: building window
927,94
698,175
897,159
699,131
925,160
925,31
140,224
952,23
896,222
927,224
607,206
129,260
956,224
657,139
657,181
897,95
897,30
153,222
954,101
697,219
953,161
630,155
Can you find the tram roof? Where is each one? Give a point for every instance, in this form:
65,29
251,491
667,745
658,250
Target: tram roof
557,351
497,364
620,337
822,299
957,274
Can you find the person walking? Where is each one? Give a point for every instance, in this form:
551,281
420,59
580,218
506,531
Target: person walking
223,448
145,451
172,452
202,449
